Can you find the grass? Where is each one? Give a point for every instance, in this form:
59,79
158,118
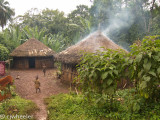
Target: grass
76,107
67,107
17,106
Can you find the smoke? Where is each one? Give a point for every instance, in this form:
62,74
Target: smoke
122,19
114,18
118,18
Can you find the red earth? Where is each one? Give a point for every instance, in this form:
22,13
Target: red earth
50,85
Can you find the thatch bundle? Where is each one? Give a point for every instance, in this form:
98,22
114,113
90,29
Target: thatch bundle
94,42
32,48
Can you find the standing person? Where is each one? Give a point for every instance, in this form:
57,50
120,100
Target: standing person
37,84
44,69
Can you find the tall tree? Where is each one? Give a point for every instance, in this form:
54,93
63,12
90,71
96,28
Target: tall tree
6,13
101,11
79,23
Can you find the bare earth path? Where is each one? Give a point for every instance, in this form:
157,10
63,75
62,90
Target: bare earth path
49,86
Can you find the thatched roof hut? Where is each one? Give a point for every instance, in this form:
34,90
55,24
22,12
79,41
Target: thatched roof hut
94,42
71,56
32,48
32,54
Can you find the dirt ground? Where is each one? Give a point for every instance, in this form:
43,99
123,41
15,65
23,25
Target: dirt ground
49,86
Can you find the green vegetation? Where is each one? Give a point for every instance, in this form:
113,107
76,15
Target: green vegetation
3,53
99,74
127,22
66,107
17,106
77,107
146,67
6,13
120,20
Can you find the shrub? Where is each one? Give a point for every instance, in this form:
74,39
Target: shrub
17,106
101,71
147,67
3,53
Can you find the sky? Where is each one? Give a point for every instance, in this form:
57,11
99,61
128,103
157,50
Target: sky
22,6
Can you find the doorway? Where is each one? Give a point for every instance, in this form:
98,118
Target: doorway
31,62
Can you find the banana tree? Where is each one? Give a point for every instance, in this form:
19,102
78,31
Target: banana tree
34,33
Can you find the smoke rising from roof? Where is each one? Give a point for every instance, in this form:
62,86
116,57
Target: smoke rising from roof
122,19
114,17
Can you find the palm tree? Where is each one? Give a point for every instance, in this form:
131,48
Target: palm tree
5,13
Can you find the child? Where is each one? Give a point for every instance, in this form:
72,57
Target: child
44,69
18,77
37,84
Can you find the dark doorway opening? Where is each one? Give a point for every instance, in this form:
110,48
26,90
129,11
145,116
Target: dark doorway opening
31,62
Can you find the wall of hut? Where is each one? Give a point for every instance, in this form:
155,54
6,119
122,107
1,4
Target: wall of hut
69,72
24,62
20,63
48,61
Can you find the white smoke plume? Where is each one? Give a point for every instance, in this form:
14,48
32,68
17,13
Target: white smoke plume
122,19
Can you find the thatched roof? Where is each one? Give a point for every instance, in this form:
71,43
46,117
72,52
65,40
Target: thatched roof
91,44
32,48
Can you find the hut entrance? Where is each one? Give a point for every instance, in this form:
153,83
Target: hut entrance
31,62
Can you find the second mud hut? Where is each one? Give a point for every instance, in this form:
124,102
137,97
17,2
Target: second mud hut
70,57
32,54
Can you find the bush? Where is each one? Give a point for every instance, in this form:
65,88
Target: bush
130,106
71,106
146,67
101,71
17,106
3,53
